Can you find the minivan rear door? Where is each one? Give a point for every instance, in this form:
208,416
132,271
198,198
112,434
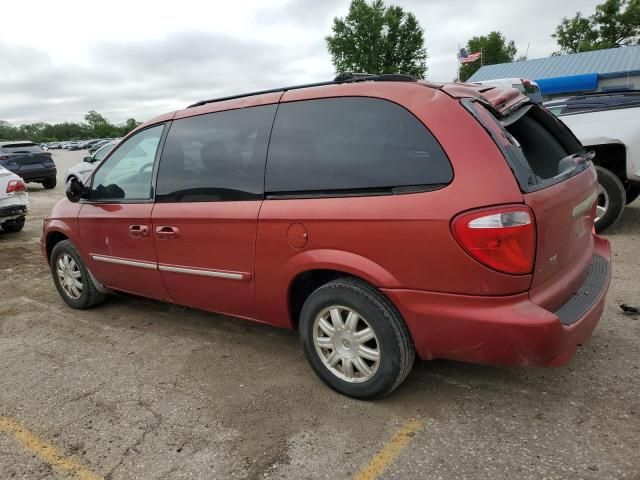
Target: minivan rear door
558,183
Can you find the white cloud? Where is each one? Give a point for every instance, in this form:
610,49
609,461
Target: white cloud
140,59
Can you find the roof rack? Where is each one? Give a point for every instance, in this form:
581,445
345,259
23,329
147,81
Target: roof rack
345,77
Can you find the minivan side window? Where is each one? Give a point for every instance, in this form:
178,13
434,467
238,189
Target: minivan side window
351,144
126,175
217,156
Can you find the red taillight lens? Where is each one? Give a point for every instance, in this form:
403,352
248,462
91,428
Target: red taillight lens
16,186
502,238
4,157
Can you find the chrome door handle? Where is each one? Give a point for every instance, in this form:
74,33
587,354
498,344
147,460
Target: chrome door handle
165,232
138,231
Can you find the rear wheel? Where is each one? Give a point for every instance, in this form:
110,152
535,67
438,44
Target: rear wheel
13,226
612,198
355,339
72,279
49,183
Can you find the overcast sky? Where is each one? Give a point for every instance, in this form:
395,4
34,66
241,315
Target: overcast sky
59,59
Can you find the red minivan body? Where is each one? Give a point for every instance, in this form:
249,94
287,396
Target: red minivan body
432,253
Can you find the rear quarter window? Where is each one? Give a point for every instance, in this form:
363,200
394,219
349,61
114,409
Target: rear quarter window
351,144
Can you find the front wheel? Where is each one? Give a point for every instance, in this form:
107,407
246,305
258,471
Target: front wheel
612,198
355,339
49,183
72,279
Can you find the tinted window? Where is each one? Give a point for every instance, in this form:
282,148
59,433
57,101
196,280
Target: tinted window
349,144
216,157
126,175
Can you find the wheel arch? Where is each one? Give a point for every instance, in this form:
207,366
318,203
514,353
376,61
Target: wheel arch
315,268
611,154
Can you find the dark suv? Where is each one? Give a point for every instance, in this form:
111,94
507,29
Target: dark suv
29,161
380,216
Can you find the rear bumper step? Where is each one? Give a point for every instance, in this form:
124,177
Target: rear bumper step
588,293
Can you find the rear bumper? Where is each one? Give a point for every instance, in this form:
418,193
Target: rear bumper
37,175
11,212
510,330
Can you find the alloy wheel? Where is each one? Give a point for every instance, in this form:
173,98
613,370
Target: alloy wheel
346,344
69,276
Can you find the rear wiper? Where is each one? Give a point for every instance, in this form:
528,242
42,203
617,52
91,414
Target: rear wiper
571,161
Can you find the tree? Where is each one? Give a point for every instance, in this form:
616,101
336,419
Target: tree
96,127
615,23
129,125
494,48
374,38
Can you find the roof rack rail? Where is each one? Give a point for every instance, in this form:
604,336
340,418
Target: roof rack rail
345,77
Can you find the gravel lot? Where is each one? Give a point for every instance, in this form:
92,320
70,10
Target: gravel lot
141,389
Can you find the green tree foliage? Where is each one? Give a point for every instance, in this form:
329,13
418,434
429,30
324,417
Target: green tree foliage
615,23
494,48
374,38
96,126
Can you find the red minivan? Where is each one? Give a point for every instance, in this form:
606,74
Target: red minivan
379,215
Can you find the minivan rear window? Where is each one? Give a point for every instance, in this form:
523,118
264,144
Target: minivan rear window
540,149
352,145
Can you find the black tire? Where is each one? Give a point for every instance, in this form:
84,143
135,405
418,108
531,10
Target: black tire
633,192
617,196
13,226
397,352
90,295
49,183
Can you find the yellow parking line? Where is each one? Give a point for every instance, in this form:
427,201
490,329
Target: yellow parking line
46,451
389,452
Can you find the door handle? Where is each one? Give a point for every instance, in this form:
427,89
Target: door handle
165,232
139,231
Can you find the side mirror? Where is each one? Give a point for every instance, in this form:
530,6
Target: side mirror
88,159
75,190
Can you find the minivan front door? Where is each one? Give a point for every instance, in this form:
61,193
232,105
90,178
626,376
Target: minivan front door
115,222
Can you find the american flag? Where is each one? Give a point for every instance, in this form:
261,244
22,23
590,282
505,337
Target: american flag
465,57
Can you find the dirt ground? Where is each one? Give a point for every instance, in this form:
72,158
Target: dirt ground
141,389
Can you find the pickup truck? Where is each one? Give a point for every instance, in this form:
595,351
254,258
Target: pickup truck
612,130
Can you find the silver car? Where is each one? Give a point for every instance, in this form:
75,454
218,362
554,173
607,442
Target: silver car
82,171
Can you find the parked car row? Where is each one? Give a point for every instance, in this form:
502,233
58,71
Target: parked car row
334,209
76,144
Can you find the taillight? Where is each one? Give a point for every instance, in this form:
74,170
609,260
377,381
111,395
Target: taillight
4,157
502,238
16,186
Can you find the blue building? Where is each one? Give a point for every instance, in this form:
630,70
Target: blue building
600,70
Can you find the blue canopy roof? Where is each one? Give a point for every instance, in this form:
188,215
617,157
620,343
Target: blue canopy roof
576,69
573,83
